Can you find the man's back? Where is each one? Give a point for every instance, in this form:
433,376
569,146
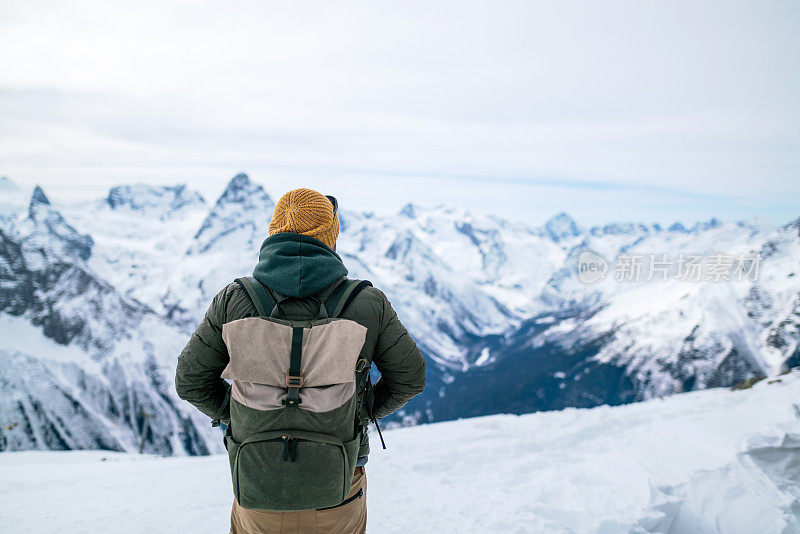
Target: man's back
294,264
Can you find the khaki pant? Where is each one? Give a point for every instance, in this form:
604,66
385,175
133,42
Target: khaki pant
350,518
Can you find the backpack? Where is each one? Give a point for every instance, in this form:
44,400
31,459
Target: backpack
294,401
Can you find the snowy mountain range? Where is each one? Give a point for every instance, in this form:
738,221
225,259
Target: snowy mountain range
98,297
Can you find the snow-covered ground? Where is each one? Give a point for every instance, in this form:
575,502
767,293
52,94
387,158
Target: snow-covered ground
713,461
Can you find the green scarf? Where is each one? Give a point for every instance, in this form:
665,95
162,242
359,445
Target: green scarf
297,265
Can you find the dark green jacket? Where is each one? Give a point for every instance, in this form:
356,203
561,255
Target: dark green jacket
297,265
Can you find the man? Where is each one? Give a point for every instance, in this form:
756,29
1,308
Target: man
299,260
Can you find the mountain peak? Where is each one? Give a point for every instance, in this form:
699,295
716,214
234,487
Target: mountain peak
559,217
626,228
241,189
561,226
677,226
141,197
45,227
241,179
39,202
244,205
38,196
409,210
710,224
793,224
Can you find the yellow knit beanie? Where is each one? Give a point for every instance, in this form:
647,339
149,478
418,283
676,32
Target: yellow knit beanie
305,211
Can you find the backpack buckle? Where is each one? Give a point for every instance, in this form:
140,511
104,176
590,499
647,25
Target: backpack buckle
361,364
294,381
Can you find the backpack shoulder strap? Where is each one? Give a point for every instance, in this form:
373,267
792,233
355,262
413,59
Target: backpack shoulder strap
344,295
338,289
258,294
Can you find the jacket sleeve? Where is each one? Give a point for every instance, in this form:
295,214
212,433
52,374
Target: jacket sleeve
202,361
400,363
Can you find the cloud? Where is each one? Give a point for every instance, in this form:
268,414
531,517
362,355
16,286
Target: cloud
668,105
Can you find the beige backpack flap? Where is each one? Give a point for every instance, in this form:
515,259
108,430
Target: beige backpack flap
259,357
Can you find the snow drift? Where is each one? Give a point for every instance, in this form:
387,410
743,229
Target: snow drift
708,462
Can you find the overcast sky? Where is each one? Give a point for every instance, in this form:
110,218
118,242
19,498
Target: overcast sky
650,111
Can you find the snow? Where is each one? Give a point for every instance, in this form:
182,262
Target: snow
19,333
484,357
139,242
714,461
656,329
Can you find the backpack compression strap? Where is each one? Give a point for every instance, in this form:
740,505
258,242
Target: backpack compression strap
294,377
261,299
